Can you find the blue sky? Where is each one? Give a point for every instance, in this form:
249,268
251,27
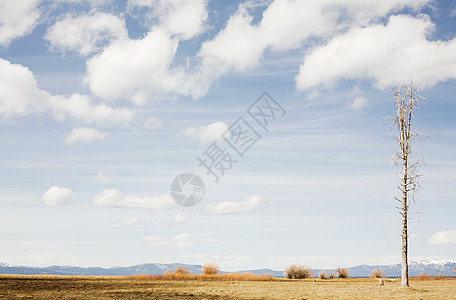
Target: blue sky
103,103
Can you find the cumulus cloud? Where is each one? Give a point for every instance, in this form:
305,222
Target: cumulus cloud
285,25
20,95
85,34
17,18
205,134
84,135
155,240
137,69
114,198
443,237
388,54
56,196
179,219
130,221
141,70
227,207
185,18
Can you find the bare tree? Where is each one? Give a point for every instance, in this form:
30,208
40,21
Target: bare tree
407,100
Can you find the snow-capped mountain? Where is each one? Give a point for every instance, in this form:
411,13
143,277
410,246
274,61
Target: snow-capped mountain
429,267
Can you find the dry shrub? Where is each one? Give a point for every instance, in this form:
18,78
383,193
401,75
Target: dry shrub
323,275
423,276
298,272
332,275
210,269
342,272
182,270
377,273
454,269
439,277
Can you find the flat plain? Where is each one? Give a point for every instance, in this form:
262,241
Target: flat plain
112,287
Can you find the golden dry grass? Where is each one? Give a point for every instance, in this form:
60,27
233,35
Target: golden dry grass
110,287
203,277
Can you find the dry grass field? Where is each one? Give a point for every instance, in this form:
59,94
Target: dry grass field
106,287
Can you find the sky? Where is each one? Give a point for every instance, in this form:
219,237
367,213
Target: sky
104,103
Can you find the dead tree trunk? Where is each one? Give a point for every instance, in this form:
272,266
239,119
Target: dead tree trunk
406,100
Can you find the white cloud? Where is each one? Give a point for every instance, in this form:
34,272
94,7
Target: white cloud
137,69
141,70
56,196
17,18
205,134
79,108
185,18
389,54
104,178
20,95
238,46
84,135
152,123
443,237
284,25
179,219
130,221
155,240
85,34
114,198
359,103
227,207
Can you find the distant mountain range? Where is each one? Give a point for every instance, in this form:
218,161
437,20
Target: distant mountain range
432,268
